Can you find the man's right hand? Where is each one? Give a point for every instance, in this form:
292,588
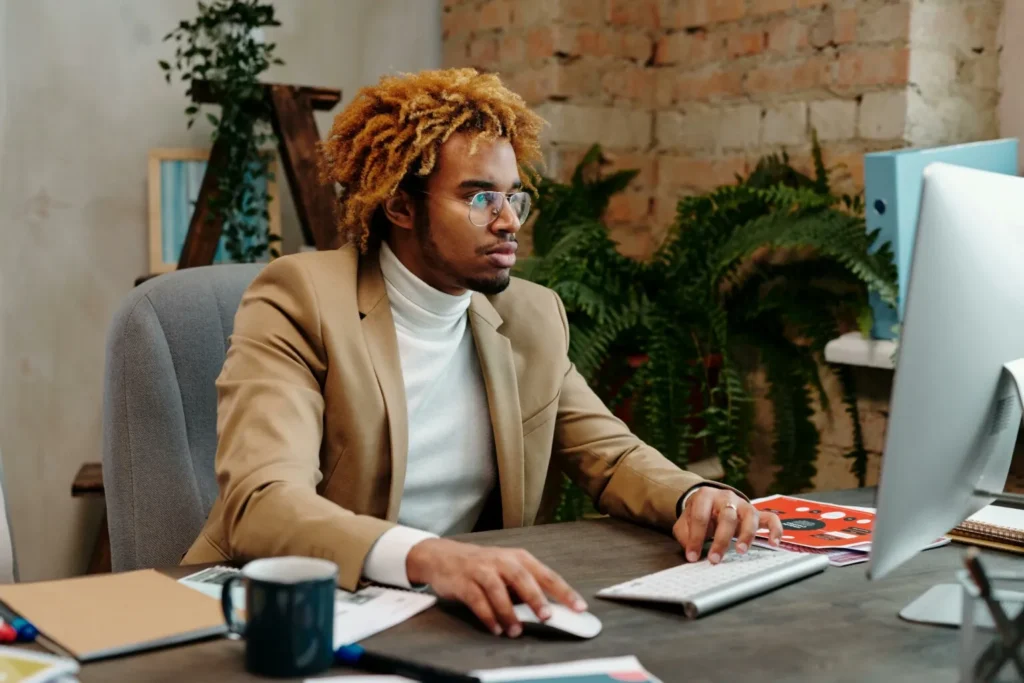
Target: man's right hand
481,578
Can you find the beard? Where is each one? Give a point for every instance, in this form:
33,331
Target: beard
487,286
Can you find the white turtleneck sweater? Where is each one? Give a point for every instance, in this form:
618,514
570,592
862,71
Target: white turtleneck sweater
450,470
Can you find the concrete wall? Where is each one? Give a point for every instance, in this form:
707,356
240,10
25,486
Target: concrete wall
81,102
1011,74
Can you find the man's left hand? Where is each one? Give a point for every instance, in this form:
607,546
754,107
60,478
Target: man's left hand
722,515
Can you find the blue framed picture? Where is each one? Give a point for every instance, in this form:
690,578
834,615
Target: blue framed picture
175,176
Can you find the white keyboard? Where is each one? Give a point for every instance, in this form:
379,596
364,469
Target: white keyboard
701,587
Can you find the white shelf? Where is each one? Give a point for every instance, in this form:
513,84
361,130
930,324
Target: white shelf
853,349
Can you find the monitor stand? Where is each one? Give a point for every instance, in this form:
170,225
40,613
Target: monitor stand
942,604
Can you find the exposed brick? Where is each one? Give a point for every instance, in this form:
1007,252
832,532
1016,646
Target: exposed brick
846,168
454,52
633,83
533,12
761,7
821,31
585,125
785,124
700,174
834,119
844,26
580,81
883,115
872,66
511,49
806,74
645,163
535,85
540,42
688,49
665,204
689,13
642,13
787,36
885,24
581,11
633,241
483,51
565,160
592,41
709,129
635,45
493,14
709,85
745,43
629,207
457,21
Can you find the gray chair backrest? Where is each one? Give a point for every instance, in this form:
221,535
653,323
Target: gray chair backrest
165,348
8,558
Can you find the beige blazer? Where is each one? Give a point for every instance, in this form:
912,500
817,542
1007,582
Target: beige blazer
312,418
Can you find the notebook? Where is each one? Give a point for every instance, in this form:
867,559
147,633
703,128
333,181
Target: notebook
993,526
103,615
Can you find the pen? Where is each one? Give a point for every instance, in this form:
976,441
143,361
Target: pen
25,631
357,657
1003,624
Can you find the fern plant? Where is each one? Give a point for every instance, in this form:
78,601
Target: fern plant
760,274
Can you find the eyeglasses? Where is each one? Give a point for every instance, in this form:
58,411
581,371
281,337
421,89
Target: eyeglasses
486,206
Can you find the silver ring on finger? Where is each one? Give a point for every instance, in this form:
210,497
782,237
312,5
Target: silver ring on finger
733,506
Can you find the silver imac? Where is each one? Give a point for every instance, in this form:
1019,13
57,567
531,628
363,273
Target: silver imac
957,393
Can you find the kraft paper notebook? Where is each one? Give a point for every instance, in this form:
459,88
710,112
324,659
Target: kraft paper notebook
993,526
104,615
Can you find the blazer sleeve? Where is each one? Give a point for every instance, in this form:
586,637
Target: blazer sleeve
270,424
625,477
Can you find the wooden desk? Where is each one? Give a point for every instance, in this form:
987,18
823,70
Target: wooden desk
835,626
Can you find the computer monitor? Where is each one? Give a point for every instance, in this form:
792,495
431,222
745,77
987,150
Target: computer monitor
956,401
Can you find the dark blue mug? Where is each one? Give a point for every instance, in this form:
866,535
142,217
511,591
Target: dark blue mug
289,615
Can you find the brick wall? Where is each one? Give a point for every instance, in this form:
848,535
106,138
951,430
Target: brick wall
693,91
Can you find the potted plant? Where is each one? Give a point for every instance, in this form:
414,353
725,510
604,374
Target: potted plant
223,49
760,274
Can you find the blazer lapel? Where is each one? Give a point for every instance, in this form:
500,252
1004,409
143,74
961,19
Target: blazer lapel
379,332
496,364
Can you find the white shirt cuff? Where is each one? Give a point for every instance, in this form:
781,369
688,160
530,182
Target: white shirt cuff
385,563
682,508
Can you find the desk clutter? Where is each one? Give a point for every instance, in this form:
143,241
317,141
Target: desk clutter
842,533
142,610
605,670
147,610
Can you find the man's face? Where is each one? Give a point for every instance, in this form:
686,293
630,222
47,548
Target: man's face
454,254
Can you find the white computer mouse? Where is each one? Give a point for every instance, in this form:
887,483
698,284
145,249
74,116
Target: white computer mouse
563,619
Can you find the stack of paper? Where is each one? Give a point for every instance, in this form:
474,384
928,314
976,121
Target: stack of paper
357,615
841,532
610,670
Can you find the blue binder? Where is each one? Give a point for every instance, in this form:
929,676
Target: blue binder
892,197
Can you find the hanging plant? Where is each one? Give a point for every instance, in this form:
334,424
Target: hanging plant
223,49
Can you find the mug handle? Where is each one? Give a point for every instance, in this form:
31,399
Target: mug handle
235,625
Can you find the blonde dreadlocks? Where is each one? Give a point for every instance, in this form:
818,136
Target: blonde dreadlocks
392,132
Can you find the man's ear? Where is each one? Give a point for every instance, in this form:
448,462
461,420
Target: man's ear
400,210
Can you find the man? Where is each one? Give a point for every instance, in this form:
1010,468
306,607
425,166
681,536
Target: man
404,387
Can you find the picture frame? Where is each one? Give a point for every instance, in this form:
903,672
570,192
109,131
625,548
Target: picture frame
175,175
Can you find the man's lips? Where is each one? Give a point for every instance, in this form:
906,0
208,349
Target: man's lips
504,255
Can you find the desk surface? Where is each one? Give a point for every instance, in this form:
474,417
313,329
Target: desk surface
835,626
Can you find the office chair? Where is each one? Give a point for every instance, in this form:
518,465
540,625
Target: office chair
8,558
165,348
